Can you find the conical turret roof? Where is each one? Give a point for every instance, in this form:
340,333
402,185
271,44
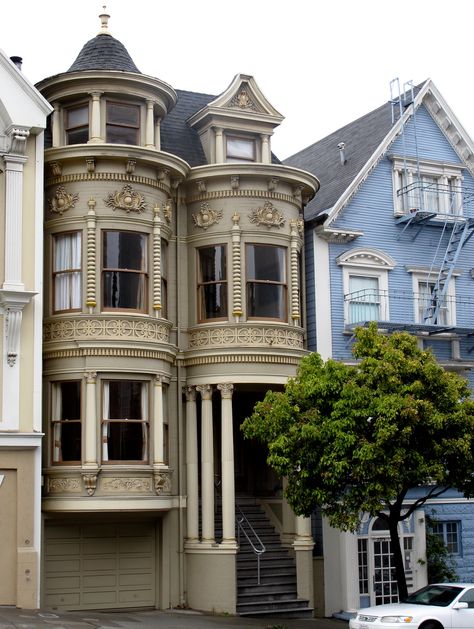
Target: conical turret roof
104,52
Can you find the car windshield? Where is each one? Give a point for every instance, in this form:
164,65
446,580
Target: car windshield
439,595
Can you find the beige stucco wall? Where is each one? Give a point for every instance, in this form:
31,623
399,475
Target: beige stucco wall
211,581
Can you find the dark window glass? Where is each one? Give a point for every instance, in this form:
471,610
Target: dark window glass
67,422
77,125
122,123
212,283
125,427
266,282
164,278
124,270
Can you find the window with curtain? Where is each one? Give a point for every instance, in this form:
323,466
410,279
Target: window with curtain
66,422
67,274
124,270
364,299
266,282
125,421
212,282
123,123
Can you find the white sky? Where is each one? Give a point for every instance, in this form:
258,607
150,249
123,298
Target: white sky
321,63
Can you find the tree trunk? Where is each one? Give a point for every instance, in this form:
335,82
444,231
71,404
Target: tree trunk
398,557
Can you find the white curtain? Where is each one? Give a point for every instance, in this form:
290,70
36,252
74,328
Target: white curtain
144,404
105,424
67,268
56,412
364,302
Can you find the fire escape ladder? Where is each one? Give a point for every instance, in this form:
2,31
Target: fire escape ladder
462,231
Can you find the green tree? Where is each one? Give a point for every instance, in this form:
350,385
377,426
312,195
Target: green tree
355,438
440,563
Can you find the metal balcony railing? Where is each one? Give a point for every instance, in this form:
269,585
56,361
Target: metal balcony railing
407,308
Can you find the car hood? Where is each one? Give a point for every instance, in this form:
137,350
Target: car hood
396,609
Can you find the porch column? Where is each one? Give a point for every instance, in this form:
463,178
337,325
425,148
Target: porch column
207,464
227,453
56,125
303,546
192,503
90,458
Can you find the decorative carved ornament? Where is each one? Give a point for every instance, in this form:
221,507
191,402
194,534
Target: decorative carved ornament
243,100
119,485
206,216
56,485
267,215
70,329
167,209
162,482
90,483
254,336
127,199
62,201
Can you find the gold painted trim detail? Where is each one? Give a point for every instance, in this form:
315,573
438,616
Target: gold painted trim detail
148,181
261,336
75,329
258,194
247,358
108,351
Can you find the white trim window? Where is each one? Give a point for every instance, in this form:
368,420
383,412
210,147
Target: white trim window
365,285
66,422
125,421
427,186
423,284
67,274
240,149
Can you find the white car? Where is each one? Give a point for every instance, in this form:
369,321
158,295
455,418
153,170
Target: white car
436,606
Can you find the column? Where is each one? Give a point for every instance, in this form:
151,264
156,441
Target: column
91,256
207,464
303,546
158,134
266,154
158,422
90,454
95,135
219,145
157,261
13,220
192,504
236,268
227,454
56,126
150,126
295,275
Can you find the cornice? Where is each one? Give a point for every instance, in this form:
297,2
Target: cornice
120,352
113,176
337,236
258,194
268,359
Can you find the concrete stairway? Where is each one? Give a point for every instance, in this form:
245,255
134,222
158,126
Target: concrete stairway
276,595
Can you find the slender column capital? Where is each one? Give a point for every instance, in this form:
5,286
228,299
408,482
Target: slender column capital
226,389
91,377
190,393
205,390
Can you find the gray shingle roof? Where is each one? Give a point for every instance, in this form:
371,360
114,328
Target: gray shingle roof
104,52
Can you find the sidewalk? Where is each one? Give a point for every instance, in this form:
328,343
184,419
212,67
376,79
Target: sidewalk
11,618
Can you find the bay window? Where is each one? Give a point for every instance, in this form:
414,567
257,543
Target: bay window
125,421
266,282
67,275
66,422
212,282
124,270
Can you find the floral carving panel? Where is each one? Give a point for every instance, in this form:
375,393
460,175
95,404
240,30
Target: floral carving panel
73,329
253,336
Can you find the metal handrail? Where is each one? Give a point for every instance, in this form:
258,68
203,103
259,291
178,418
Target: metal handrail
261,546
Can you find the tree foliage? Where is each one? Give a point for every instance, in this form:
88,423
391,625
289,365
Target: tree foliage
440,562
355,438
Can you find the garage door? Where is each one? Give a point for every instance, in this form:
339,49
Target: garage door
100,566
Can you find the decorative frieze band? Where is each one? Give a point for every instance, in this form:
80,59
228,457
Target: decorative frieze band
238,192
109,352
267,359
254,336
75,329
120,177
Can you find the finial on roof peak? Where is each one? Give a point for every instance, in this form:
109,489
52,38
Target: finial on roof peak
104,21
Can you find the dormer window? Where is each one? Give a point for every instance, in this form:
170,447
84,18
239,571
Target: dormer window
77,124
239,149
123,122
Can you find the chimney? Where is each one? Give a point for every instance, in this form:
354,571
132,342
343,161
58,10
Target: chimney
17,61
342,155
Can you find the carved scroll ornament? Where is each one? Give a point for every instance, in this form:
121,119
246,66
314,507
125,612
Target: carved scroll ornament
126,199
267,215
206,216
62,201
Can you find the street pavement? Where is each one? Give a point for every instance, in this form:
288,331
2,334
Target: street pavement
11,618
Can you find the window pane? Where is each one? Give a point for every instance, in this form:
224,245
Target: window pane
123,290
214,301
212,261
121,114
70,400
364,299
126,441
212,285
66,428
266,300
67,273
125,400
266,263
71,441
121,135
78,116
241,149
78,136
124,250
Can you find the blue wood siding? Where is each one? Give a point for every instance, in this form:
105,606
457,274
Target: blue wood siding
310,297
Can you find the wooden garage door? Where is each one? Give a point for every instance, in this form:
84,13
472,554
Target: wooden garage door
99,566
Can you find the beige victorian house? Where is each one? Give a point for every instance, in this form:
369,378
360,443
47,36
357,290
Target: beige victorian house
22,121
173,251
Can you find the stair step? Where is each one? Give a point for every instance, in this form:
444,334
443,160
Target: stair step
273,606
267,592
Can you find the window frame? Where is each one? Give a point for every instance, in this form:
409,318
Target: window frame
109,124
419,277
202,313
283,284
164,271
144,422
444,534
67,272
56,424
142,272
71,128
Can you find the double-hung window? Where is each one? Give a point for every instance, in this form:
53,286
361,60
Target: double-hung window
76,124
125,421
449,532
123,123
164,278
364,299
240,149
212,282
266,282
67,275
124,270
66,422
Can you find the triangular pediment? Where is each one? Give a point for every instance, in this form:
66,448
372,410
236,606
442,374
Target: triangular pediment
242,102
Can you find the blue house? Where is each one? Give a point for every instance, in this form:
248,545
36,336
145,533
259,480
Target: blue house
388,238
